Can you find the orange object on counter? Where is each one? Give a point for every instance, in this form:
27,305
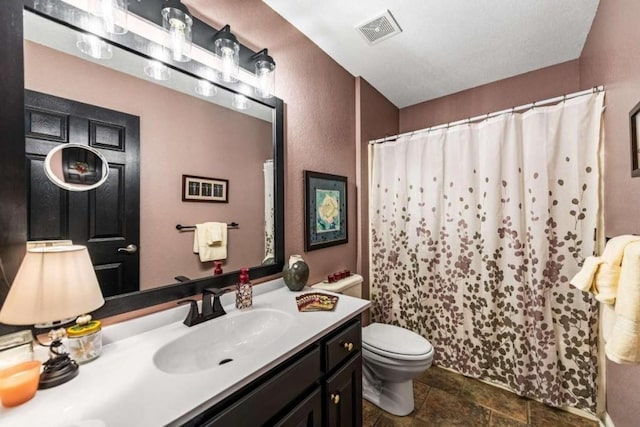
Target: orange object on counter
19,383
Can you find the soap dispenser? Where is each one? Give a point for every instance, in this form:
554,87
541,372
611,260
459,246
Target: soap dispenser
244,292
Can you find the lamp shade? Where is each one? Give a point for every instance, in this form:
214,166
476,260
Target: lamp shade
52,284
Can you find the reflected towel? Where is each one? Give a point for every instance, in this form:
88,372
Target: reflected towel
204,243
216,230
624,344
600,275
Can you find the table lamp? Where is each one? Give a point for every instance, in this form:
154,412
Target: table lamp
54,285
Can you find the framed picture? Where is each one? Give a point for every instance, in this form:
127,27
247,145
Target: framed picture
325,210
203,189
634,120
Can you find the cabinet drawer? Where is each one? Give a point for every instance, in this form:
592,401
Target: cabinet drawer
338,348
268,399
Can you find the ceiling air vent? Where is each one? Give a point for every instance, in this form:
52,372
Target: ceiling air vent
379,28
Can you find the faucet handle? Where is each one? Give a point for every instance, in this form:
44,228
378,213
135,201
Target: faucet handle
217,309
193,316
216,292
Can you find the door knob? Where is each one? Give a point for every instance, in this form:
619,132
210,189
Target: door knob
130,249
335,398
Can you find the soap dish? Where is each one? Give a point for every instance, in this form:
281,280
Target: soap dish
316,301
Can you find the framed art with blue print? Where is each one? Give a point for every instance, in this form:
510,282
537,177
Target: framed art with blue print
325,210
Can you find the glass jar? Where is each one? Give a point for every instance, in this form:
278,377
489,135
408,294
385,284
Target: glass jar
16,348
85,341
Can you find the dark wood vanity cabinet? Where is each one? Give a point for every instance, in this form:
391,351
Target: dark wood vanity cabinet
344,394
319,386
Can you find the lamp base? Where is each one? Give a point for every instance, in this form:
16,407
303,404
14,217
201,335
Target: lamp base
57,370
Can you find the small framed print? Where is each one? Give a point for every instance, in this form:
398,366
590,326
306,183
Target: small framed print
325,210
203,189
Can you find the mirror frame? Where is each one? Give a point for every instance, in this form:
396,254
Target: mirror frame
13,213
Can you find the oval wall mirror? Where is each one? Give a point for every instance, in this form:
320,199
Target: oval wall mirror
76,167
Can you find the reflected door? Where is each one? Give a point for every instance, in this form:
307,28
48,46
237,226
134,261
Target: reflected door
105,219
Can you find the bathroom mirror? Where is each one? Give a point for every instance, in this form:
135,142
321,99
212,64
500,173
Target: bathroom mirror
229,151
75,167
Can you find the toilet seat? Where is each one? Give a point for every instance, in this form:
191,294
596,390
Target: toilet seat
395,342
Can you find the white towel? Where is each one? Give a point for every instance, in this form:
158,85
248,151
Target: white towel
624,343
210,241
600,275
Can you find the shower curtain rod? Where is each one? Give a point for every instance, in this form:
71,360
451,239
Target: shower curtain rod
483,117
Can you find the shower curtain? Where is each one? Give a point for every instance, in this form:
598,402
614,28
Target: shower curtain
269,223
475,233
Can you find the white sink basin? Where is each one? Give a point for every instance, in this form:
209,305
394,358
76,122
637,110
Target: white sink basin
222,340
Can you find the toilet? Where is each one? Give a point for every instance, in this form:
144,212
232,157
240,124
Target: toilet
391,357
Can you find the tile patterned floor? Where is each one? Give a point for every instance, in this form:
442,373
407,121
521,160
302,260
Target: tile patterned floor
443,398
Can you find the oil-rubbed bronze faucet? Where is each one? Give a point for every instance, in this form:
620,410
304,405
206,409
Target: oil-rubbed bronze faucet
209,310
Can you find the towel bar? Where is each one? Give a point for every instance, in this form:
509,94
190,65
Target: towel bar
193,227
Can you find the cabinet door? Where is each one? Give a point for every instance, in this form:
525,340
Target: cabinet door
267,400
307,413
343,395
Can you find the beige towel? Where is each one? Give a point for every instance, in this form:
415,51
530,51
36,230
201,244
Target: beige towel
624,344
600,275
210,241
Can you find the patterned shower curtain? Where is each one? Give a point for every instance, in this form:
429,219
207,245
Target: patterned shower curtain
476,231
269,221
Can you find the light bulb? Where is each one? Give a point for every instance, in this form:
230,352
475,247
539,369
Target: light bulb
227,49
265,72
177,39
113,14
228,66
177,22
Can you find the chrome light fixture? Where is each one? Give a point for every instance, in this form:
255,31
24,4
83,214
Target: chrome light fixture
177,20
227,48
113,14
265,68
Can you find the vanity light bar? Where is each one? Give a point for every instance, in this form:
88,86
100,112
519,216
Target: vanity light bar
153,32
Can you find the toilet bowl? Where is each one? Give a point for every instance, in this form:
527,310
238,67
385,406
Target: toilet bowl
391,357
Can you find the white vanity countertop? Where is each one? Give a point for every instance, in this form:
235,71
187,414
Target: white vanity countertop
123,387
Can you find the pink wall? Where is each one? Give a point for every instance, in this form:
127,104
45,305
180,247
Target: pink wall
375,117
611,57
213,148
519,90
319,98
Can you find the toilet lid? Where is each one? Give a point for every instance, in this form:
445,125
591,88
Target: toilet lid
394,340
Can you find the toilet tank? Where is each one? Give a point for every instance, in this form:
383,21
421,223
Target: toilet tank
351,286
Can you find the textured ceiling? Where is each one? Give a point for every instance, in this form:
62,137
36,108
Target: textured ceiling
446,45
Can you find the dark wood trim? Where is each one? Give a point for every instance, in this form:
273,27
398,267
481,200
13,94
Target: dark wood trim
635,146
13,215
13,211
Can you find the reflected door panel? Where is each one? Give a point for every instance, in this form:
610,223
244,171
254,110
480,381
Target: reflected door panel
104,219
